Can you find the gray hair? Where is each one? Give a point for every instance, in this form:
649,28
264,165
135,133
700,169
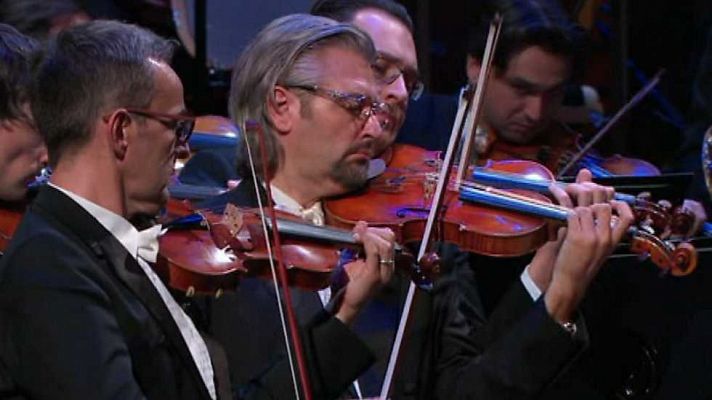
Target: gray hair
88,69
283,53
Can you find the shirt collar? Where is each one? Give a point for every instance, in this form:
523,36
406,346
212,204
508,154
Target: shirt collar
284,202
120,227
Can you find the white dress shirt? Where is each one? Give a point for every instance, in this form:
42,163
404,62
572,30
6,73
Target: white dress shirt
313,214
143,246
529,284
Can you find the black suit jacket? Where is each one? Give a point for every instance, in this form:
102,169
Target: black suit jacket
78,317
246,322
456,349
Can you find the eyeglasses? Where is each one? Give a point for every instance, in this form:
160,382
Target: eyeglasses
388,70
182,125
360,105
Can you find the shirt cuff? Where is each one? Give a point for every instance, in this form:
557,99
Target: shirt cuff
529,284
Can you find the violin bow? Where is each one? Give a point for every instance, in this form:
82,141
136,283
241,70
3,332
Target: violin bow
443,179
475,108
279,275
644,91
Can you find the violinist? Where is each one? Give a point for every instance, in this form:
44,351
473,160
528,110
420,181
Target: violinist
22,150
520,349
82,315
308,81
433,357
539,50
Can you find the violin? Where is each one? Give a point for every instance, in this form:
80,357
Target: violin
479,218
400,199
209,253
559,149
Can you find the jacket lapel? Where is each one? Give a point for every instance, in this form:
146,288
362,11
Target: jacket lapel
54,204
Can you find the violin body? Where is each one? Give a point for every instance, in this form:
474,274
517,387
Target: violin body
488,221
555,150
400,199
212,252
190,261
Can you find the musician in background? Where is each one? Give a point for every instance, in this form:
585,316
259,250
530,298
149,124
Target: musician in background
538,49
700,120
22,150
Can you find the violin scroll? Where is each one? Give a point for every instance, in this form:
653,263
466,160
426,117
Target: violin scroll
677,260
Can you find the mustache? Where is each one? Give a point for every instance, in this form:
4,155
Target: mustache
367,146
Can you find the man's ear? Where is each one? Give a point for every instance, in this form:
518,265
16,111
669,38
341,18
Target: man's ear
283,107
119,123
472,68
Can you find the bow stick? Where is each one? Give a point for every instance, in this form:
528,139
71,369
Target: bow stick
279,275
443,178
474,116
612,122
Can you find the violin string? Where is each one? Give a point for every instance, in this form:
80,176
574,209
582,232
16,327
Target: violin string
504,193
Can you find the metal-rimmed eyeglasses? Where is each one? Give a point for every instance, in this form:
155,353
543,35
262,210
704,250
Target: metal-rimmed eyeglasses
181,124
389,70
360,105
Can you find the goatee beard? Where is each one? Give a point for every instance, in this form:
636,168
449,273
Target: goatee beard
350,176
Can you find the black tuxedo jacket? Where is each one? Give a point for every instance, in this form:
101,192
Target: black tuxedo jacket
78,317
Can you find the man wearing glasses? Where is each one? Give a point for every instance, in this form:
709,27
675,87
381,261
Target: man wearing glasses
308,82
82,314
389,26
